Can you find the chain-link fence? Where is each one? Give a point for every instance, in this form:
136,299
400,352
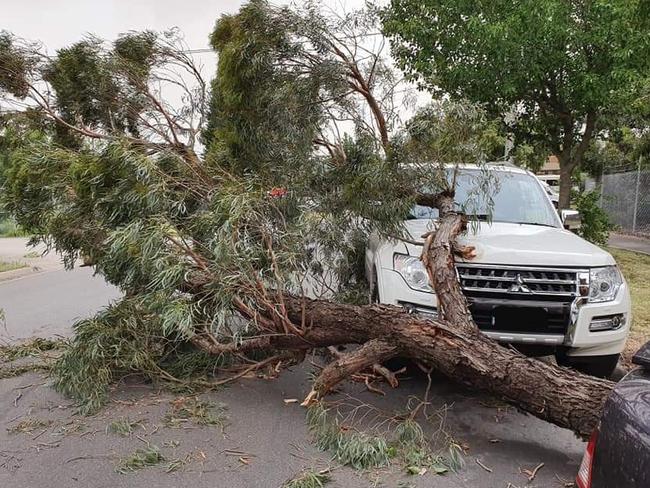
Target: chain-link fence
625,196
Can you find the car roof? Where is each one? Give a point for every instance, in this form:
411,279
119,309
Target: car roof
492,165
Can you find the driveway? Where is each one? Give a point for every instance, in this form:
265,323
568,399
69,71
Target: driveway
265,440
629,243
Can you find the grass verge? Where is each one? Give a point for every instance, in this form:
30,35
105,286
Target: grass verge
636,269
10,266
9,228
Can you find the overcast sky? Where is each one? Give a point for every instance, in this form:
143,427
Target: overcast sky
57,23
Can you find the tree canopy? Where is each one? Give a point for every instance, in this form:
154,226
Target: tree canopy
550,68
300,164
220,247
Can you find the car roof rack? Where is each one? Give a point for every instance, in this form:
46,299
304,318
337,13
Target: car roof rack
505,163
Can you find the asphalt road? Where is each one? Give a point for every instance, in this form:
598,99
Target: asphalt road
46,303
78,451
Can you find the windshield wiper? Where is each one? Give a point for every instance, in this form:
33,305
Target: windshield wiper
536,223
480,217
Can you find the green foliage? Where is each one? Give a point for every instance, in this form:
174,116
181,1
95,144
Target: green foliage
122,426
29,425
361,450
284,195
139,459
623,147
264,111
12,371
595,224
15,64
118,341
83,81
309,479
551,69
8,228
355,449
31,348
35,355
581,56
191,409
136,52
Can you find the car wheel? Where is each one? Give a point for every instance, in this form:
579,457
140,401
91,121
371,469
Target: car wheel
600,366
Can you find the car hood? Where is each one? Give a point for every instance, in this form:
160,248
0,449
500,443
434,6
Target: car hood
521,244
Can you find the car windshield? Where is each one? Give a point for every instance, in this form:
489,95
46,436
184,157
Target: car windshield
511,197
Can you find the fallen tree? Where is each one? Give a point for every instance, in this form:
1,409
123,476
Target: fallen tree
452,345
218,251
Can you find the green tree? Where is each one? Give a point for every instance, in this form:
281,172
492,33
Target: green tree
554,67
215,248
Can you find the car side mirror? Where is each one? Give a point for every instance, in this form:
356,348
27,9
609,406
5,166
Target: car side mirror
571,219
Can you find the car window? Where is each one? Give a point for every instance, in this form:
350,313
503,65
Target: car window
513,197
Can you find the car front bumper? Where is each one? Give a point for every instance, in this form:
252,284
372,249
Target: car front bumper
578,339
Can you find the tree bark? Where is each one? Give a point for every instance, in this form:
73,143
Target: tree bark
559,395
451,344
455,347
372,352
566,169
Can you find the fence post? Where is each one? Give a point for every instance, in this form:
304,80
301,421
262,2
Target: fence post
636,194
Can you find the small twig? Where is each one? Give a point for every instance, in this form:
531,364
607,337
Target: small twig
18,397
78,458
388,375
249,369
533,473
38,435
372,388
425,400
483,465
236,452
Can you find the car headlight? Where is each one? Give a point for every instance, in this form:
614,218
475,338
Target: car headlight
413,272
604,283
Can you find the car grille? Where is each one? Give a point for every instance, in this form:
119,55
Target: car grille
518,280
519,299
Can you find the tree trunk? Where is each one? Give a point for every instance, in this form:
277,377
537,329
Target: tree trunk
566,169
372,352
451,344
455,347
559,395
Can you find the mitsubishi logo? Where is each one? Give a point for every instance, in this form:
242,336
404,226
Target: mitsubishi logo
519,286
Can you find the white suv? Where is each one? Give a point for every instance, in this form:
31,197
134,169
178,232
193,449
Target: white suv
532,283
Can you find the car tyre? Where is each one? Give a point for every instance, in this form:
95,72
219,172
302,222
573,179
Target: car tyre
600,366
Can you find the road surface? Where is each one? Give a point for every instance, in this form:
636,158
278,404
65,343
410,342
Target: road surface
629,243
69,450
45,304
